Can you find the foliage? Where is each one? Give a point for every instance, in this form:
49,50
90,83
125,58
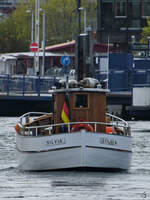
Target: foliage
14,31
61,20
146,32
61,23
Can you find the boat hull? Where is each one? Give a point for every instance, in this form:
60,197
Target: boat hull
77,150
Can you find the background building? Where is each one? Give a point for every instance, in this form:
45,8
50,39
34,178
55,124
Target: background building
121,20
7,6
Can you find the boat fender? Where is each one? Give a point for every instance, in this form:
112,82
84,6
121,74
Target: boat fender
115,129
18,128
110,129
27,119
78,127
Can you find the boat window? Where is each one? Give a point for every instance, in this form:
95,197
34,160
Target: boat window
81,101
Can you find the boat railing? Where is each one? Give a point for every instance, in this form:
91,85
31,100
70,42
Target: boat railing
112,118
30,115
116,119
51,128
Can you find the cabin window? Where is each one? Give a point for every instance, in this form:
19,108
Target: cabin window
81,101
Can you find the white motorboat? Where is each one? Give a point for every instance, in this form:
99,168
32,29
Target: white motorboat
77,134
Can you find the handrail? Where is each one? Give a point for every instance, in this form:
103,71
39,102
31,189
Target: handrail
118,118
43,113
51,126
28,130
29,114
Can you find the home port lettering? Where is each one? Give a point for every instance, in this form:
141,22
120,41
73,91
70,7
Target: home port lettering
108,141
56,141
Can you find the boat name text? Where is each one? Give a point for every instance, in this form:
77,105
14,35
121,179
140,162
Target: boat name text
56,141
109,141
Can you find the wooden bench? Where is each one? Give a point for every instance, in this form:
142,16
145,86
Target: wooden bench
46,119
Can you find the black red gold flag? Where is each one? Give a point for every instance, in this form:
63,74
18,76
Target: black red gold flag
65,111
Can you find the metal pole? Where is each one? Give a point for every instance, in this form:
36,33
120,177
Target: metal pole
148,48
84,9
32,24
37,35
32,36
148,38
108,64
99,20
32,28
44,41
79,16
78,39
84,20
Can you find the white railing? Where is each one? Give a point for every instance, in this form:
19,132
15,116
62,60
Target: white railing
31,115
117,119
51,128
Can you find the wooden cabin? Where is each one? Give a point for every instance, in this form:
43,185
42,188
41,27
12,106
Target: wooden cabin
88,104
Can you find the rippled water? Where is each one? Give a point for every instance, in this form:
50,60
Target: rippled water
65,185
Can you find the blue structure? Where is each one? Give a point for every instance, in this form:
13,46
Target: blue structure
125,72
141,72
25,84
120,66
120,72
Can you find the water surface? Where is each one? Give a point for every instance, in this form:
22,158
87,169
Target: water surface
133,184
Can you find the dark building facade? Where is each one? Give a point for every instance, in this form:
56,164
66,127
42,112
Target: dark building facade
6,7
121,20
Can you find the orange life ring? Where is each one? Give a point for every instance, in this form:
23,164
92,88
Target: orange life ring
86,127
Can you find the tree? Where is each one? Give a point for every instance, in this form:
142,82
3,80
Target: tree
146,32
14,31
61,24
61,20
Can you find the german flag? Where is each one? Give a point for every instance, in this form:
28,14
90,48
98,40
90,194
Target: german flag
65,111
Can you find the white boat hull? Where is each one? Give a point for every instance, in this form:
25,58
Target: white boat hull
77,150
